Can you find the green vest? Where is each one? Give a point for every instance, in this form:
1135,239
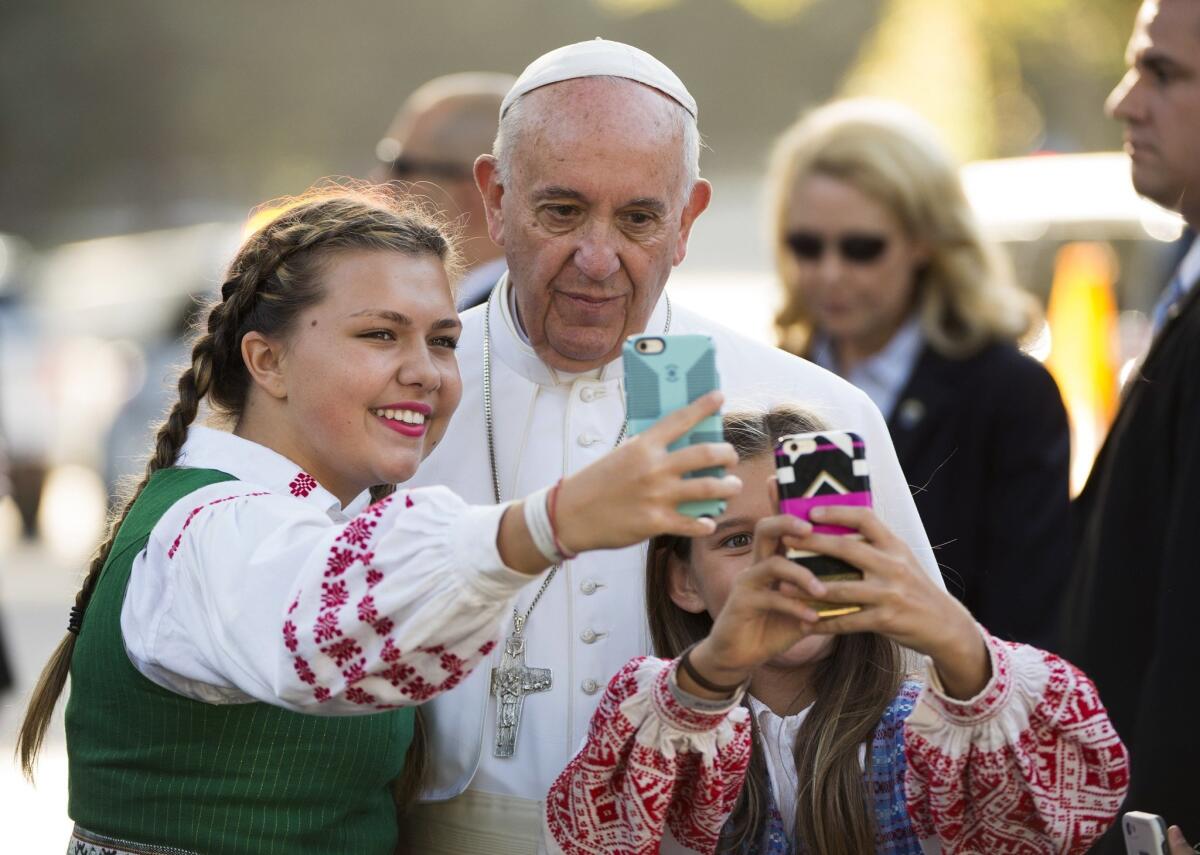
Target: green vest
151,766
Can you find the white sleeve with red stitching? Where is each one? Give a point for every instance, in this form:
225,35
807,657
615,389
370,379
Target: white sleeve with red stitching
243,595
1030,765
649,766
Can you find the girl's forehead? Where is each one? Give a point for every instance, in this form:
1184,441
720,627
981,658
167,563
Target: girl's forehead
755,499
384,280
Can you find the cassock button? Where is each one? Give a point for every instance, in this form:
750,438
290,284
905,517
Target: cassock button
588,636
587,394
589,587
587,440
589,686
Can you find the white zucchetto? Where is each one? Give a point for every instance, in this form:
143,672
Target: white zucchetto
600,58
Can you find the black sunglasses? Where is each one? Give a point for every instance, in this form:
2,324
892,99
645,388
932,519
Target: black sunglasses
403,167
855,247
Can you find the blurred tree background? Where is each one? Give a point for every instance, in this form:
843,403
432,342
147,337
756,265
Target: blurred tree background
136,114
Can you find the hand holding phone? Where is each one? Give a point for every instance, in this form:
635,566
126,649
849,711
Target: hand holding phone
664,373
827,467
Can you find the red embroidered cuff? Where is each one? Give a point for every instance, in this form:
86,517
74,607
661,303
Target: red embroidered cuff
989,702
674,713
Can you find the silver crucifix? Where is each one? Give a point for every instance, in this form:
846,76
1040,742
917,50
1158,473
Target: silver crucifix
511,682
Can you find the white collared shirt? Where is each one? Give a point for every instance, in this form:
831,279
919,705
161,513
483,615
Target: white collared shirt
884,374
592,618
266,588
1189,266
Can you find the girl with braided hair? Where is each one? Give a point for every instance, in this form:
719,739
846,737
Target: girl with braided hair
251,639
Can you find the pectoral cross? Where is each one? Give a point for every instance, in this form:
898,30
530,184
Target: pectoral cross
511,682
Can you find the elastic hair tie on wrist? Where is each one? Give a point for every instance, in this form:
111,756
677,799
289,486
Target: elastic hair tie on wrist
75,621
685,663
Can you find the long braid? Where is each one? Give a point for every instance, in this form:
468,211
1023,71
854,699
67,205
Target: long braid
273,277
168,442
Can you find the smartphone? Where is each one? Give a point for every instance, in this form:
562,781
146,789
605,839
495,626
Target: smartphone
827,467
1145,833
664,373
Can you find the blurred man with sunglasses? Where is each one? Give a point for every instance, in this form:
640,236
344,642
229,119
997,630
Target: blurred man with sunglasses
430,149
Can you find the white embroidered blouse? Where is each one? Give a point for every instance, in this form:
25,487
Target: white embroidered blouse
266,588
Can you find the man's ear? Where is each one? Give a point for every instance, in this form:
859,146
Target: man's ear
264,362
697,201
681,586
487,179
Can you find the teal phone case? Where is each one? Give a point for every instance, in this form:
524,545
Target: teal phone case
657,383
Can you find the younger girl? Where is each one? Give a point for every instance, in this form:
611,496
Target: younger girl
839,749
248,644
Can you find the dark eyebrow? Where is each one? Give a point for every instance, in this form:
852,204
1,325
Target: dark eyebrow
732,522
404,320
385,315
1156,60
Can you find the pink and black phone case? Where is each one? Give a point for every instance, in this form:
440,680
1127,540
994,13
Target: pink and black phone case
826,467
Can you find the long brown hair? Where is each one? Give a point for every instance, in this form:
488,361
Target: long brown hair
853,687
275,275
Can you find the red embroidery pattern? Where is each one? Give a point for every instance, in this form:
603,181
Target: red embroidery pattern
289,636
367,613
303,671
618,797
342,651
390,652
334,595
339,632
326,627
1055,787
358,532
302,484
194,511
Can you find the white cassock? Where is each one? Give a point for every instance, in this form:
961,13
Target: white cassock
592,617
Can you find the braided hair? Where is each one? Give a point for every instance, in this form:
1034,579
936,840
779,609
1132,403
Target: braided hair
276,274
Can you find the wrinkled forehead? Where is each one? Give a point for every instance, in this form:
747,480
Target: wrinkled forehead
601,132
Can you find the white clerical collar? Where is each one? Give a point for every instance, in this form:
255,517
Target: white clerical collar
1189,267
248,461
883,375
511,345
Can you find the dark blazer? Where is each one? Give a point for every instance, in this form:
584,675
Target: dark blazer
1131,619
984,442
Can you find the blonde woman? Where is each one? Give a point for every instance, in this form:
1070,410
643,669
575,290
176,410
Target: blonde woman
889,283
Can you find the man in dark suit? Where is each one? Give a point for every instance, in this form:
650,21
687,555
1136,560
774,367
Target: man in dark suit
1131,612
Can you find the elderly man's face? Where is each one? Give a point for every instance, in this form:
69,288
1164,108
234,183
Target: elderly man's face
1158,99
595,215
